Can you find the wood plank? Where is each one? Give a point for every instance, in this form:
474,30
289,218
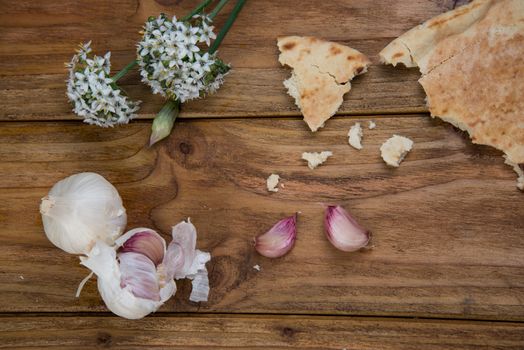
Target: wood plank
447,225
260,332
37,37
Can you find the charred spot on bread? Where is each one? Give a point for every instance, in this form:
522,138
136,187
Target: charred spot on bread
289,45
335,50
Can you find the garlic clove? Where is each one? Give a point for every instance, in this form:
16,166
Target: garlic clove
132,285
343,231
139,275
102,260
81,209
146,242
279,239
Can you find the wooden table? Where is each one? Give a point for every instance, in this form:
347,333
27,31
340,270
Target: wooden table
446,270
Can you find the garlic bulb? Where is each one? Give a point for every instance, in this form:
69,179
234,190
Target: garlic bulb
135,277
343,231
80,210
279,239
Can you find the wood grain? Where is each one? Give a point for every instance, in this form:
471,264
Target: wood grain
37,37
447,225
261,332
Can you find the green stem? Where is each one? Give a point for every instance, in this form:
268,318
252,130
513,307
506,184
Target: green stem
197,9
124,71
217,9
229,22
164,121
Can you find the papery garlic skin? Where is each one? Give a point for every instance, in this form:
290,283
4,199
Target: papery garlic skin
191,262
343,231
81,209
279,239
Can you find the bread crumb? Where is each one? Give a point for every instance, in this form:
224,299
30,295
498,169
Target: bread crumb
257,267
272,183
355,136
314,159
395,149
372,125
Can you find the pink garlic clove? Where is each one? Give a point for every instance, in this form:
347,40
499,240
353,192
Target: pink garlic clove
138,273
148,243
343,231
279,239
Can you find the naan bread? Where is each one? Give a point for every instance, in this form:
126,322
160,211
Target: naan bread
321,74
472,65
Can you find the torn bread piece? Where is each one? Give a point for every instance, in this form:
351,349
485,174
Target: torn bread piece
314,159
272,183
395,149
415,47
472,71
322,71
372,125
355,136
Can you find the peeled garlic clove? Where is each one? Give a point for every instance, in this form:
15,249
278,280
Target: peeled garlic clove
343,231
139,275
146,242
279,239
80,210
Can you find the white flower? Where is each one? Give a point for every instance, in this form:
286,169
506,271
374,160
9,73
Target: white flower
207,33
94,95
173,64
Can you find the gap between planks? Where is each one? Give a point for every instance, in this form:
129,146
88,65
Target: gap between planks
282,116
255,315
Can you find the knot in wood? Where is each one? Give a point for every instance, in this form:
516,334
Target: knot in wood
104,339
185,147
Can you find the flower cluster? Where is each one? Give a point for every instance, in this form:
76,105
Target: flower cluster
94,95
172,62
